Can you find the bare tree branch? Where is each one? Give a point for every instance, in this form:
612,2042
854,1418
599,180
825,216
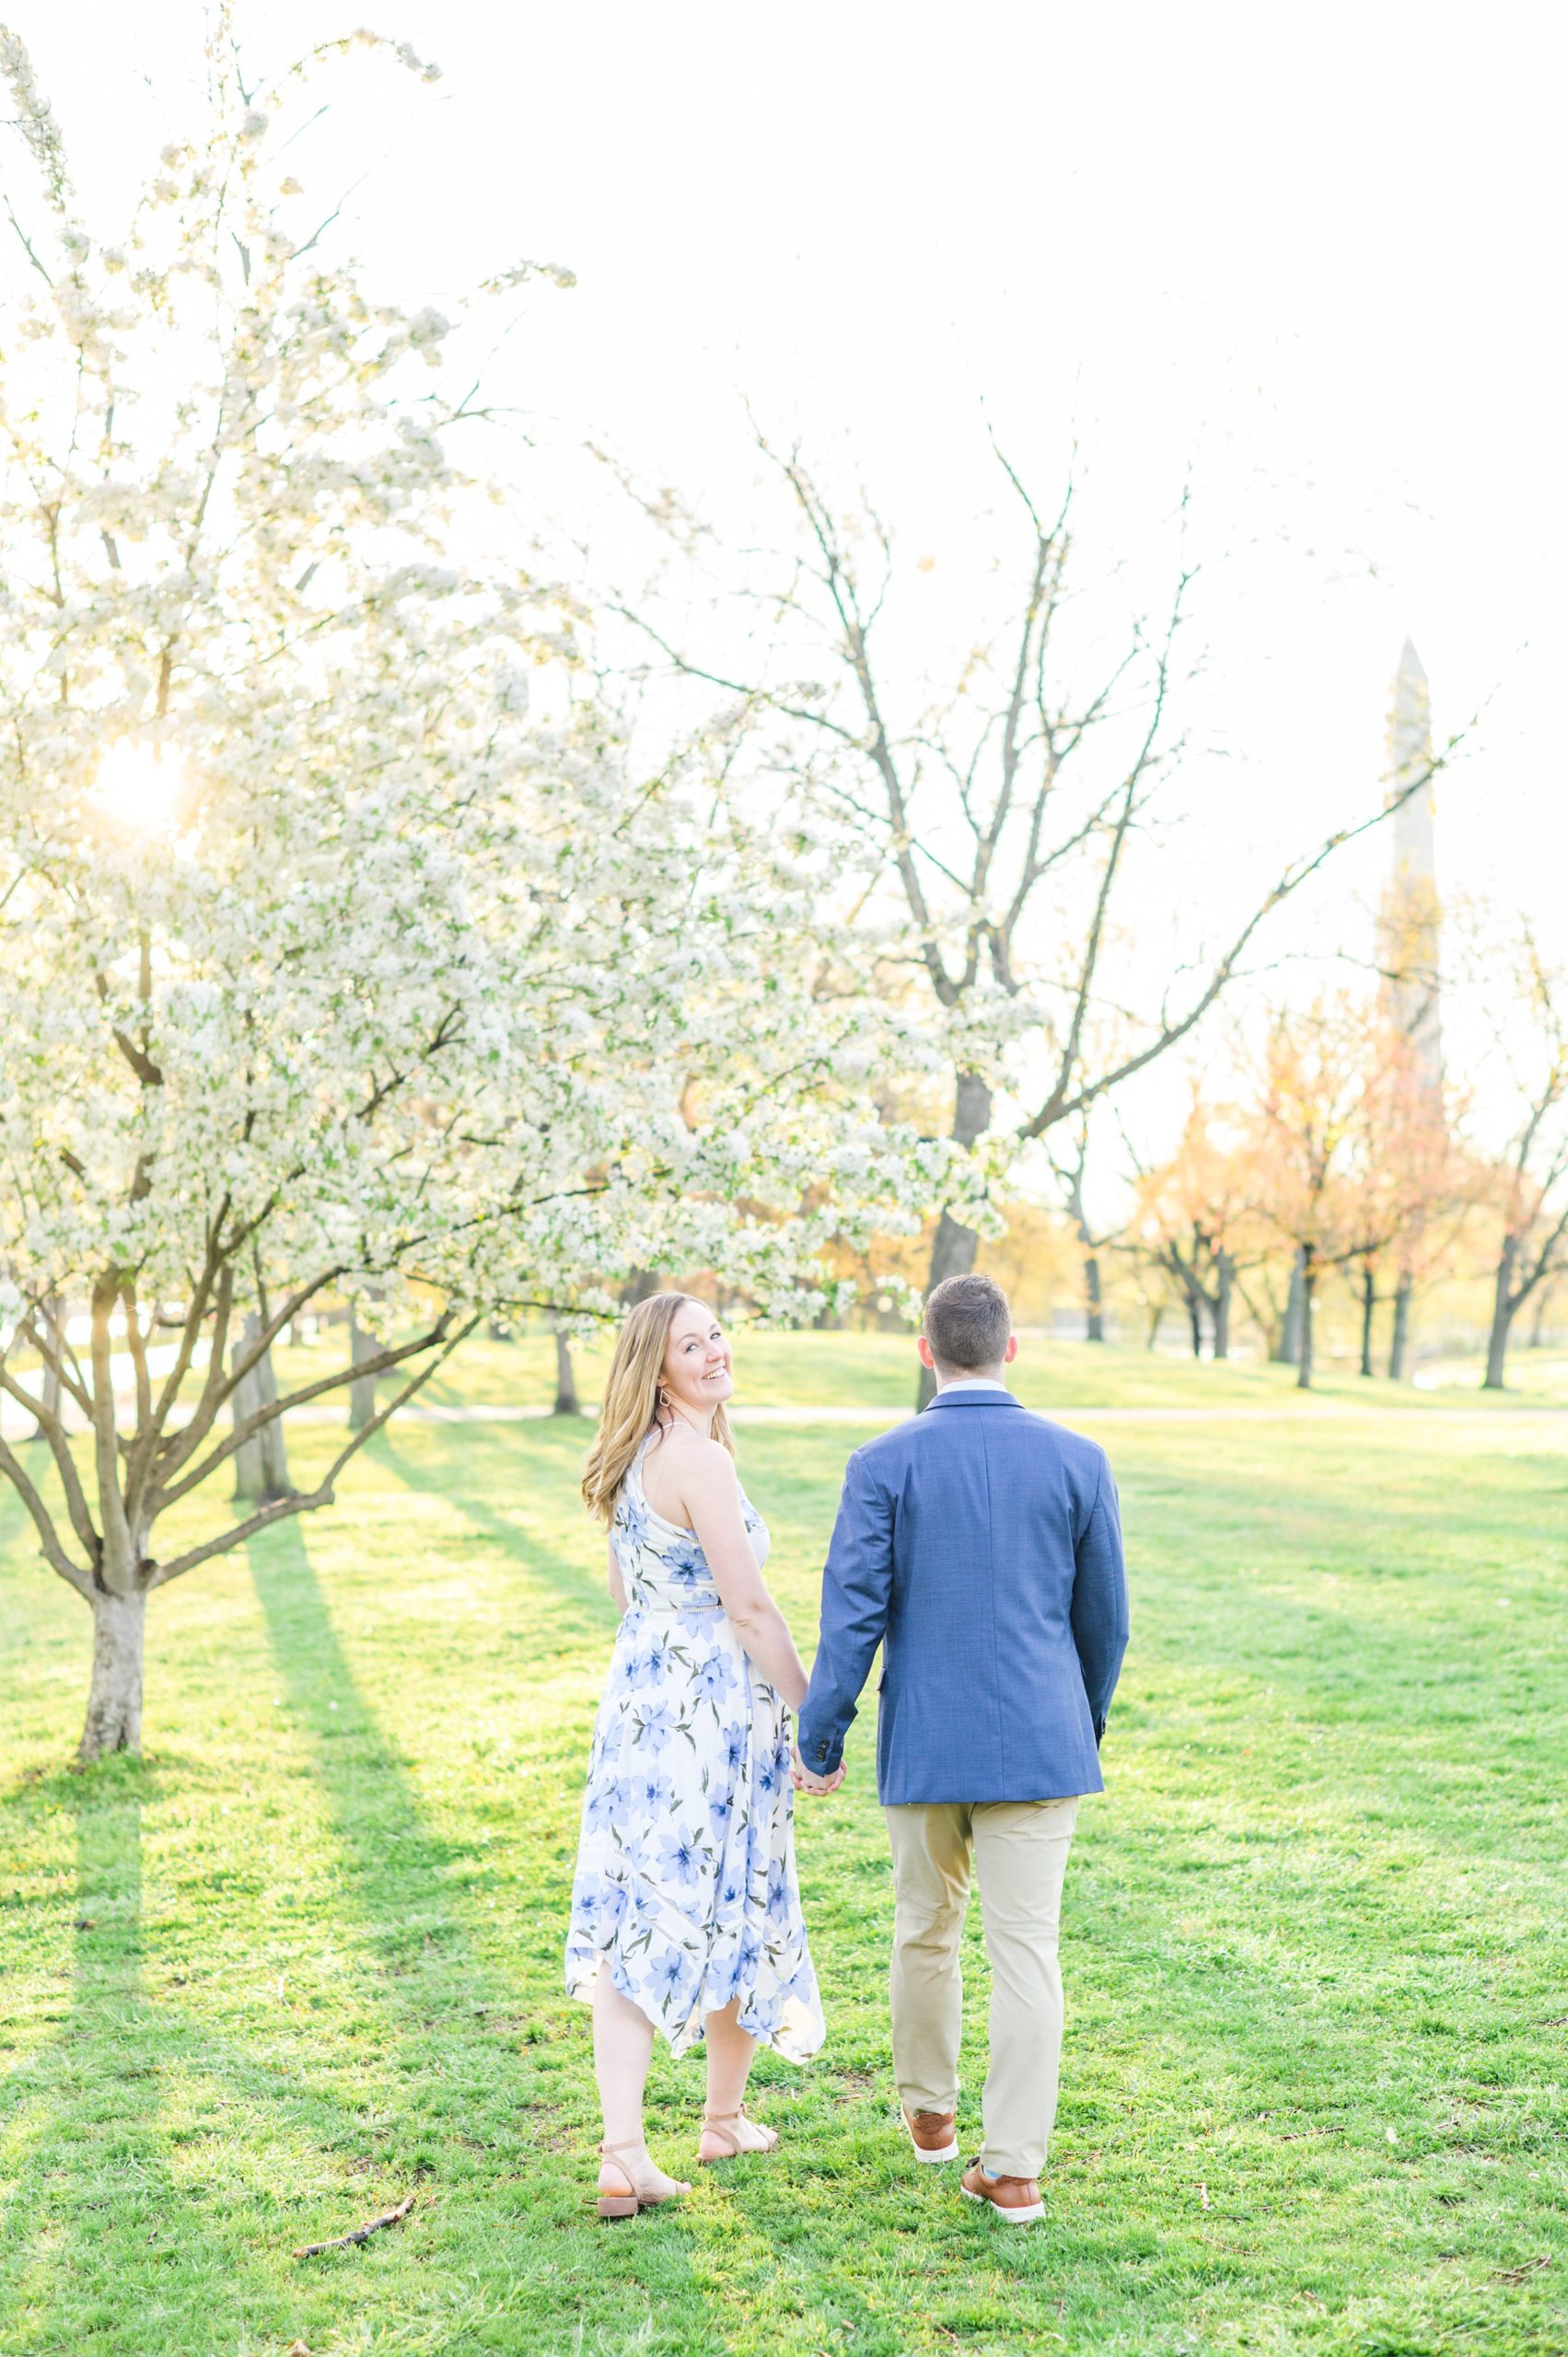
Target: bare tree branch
1060,1106
49,1537
303,1502
380,1363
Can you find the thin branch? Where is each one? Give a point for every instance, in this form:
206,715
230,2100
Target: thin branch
49,1537
1064,1102
52,1349
306,1502
361,2234
247,1428
224,1380
54,1434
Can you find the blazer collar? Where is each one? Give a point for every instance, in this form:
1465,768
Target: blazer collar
986,1398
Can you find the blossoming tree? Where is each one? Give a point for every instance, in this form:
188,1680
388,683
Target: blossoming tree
328,969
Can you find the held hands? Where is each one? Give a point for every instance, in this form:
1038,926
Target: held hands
805,1782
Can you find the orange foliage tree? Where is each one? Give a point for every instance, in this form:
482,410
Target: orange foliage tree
1343,1146
1198,1218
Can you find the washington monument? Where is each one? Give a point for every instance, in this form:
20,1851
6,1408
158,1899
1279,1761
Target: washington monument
1408,934
1409,926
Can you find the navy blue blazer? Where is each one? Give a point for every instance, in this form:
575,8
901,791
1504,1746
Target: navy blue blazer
981,1546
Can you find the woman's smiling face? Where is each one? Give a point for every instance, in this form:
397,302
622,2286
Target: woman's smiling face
698,1366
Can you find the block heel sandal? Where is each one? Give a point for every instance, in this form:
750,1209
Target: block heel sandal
627,2204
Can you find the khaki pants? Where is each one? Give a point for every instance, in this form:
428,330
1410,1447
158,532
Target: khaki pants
1020,1856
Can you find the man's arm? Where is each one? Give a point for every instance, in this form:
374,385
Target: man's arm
857,1585
1100,1600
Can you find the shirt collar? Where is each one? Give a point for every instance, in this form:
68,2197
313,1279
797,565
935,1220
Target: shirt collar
972,1383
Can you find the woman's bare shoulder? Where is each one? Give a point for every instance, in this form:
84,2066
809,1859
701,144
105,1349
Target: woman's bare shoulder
706,1465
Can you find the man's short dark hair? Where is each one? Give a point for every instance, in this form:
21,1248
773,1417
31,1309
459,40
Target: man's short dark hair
967,1323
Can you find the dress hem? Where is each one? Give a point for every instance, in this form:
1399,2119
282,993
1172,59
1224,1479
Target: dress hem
580,1990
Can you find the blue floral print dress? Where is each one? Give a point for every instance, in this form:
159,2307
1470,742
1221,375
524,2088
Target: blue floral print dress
685,1879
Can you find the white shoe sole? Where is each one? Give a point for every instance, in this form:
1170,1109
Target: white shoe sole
947,2152
1009,2217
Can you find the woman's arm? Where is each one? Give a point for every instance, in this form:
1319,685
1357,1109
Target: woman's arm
711,1494
617,1584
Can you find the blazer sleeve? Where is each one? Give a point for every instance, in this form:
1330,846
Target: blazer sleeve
857,1585
1099,1599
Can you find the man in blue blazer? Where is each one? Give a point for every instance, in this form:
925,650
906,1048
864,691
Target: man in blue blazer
980,1547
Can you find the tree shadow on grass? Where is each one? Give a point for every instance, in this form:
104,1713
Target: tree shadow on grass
489,2103
118,2254
492,1459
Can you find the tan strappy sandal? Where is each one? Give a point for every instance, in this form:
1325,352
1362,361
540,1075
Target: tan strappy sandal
627,2204
717,2123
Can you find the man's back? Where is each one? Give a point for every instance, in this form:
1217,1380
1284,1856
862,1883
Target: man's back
979,1545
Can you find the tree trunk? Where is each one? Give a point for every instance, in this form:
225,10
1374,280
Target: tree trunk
1502,1307
1368,1303
1538,1323
114,1699
362,1390
1195,1319
261,1464
1399,1348
566,1402
1304,1348
1157,1315
954,1246
1287,1349
1224,1278
1094,1300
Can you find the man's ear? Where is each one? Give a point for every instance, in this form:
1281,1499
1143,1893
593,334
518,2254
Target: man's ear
1011,1352
924,1347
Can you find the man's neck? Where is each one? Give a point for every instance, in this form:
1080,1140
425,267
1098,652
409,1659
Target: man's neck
960,1376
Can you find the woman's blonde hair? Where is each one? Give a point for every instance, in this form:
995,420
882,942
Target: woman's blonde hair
630,1400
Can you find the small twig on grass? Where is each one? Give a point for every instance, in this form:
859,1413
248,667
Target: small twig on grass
1518,2274
360,2234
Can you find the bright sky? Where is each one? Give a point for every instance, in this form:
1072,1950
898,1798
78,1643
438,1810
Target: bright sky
1310,256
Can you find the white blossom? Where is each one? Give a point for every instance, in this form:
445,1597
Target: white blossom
326,967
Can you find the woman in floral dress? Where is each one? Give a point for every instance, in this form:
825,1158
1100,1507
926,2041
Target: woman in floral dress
685,1910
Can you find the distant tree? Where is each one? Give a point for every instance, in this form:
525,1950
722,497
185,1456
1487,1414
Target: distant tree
566,1400
1417,1185
1529,1180
1197,1218
1327,1075
362,1354
1544,1300
1092,1241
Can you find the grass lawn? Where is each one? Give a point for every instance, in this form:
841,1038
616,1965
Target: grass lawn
880,1371
304,1957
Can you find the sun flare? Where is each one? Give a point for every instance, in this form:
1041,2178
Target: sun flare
139,786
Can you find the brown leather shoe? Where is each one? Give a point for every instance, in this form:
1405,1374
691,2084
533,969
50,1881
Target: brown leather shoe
931,2134
1017,2199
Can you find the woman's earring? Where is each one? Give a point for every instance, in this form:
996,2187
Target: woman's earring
664,1398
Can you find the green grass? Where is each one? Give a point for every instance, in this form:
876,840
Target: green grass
1538,1374
880,1371
304,1957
